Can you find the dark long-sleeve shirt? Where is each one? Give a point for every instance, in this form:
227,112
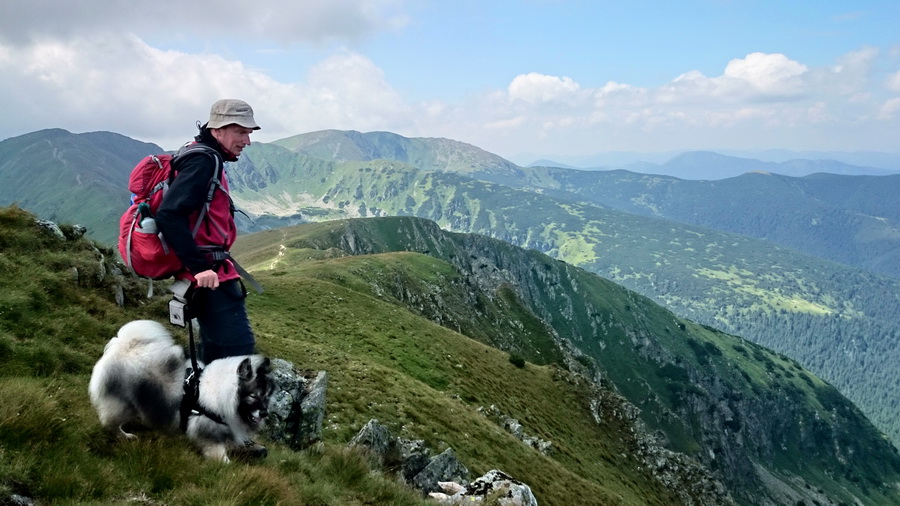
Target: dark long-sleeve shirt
184,198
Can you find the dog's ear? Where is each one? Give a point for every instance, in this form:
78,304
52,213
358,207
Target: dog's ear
265,367
245,370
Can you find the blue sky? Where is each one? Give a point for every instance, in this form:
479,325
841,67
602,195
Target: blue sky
523,79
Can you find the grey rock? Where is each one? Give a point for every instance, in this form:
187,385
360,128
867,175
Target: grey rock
413,455
296,406
78,231
377,439
444,467
410,459
312,409
503,488
51,228
20,500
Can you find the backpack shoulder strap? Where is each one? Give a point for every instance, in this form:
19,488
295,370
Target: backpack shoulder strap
214,182
196,147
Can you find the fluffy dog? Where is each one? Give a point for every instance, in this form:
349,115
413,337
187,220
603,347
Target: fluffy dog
140,377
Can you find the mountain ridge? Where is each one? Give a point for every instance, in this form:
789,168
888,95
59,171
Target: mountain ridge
605,332
790,163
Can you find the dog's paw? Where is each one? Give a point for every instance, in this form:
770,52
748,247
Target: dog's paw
216,452
249,451
126,435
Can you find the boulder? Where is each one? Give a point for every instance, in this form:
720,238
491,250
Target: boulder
444,467
495,485
296,407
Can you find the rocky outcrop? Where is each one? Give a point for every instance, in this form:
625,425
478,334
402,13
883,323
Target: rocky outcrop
297,406
442,477
516,429
693,482
495,485
105,271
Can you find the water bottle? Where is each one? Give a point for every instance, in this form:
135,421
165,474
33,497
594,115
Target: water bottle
147,224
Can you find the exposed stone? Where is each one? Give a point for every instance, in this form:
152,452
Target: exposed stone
410,459
20,500
515,428
51,228
296,407
413,457
77,232
495,485
444,467
377,439
312,409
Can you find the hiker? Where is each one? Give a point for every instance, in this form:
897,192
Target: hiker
217,293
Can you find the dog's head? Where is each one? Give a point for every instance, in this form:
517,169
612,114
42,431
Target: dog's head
254,389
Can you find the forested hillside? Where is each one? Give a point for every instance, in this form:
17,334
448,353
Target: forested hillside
853,220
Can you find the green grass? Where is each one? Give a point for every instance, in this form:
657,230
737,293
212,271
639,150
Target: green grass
367,321
422,380
426,382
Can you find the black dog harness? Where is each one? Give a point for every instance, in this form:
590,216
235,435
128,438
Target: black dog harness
190,405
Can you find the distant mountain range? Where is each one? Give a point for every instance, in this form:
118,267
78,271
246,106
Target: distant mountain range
724,164
640,231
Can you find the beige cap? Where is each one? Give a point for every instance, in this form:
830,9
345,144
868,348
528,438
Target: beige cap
230,111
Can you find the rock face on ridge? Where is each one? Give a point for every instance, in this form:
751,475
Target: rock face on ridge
410,459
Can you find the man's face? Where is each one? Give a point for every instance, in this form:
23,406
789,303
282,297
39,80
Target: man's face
233,138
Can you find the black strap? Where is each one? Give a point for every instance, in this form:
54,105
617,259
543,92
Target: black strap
218,256
190,401
191,383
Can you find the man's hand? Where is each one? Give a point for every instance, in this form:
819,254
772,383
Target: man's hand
207,279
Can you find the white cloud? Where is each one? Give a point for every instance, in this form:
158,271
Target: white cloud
117,79
893,82
536,88
770,74
123,85
890,110
285,21
119,84
351,92
851,74
768,98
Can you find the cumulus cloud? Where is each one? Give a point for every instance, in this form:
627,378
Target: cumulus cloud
890,110
756,77
893,82
770,74
117,83
124,85
97,65
768,97
284,21
535,88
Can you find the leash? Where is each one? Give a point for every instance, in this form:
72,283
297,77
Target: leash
190,405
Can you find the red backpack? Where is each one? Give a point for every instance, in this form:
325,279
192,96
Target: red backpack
142,246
